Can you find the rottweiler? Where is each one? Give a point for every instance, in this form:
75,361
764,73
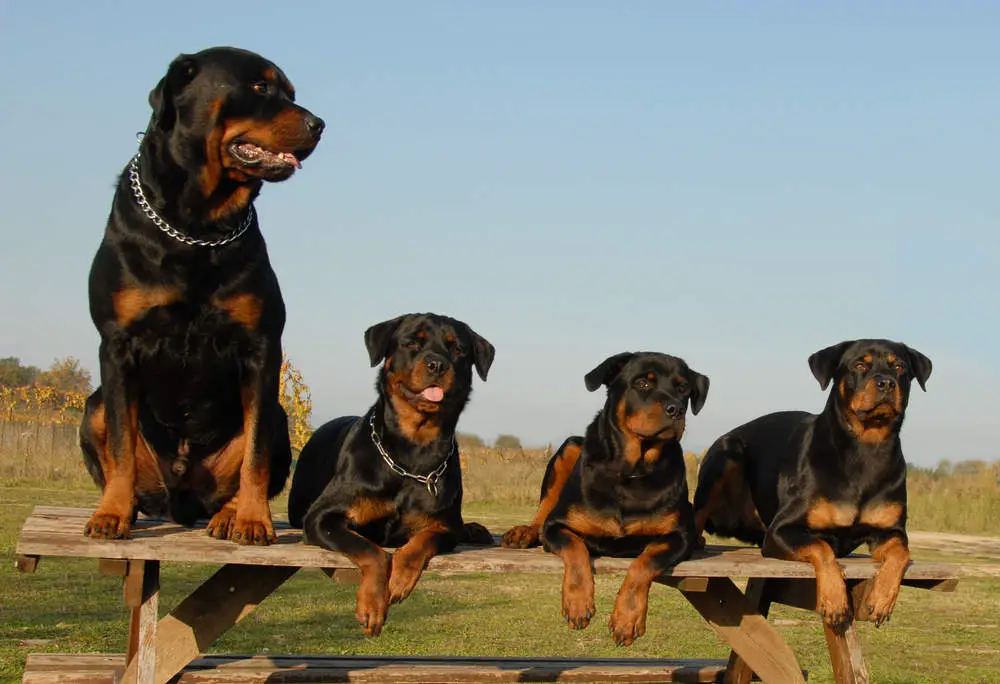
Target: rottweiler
812,488
186,422
621,490
392,477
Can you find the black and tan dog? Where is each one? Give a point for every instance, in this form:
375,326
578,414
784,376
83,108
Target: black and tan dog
814,487
186,422
393,478
621,490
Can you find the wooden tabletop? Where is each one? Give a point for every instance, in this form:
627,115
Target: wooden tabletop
57,531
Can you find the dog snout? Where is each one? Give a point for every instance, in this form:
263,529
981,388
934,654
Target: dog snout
315,125
435,365
884,383
673,410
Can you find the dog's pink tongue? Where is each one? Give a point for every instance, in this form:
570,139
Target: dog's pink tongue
433,393
291,159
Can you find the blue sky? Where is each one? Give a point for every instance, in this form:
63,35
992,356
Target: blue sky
739,184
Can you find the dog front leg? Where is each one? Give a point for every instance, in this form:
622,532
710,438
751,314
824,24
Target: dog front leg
113,426
329,528
796,542
578,576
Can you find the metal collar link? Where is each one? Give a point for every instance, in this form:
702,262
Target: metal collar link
140,199
429,480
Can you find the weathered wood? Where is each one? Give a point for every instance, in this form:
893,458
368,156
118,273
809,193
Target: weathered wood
757,594
63,669
343,575
220,602
27,564
53,531
685,583
142,595
798,593
845,655
732,615
113,567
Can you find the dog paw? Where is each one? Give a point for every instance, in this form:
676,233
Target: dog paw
403,578
372,608
881,602
221,523
578,607
835,609
628,619
103,525
520,537
477,535
252,532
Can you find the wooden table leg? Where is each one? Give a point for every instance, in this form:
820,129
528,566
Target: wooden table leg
142,596
734,617
220,602
845,656
737,671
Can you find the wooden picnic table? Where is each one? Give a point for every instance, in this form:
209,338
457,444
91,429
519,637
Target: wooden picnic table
160,648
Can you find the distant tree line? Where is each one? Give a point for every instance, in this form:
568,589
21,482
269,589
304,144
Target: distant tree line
64,374
467,440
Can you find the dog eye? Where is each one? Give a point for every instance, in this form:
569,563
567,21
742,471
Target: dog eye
860,366
262,88
683,387
412,344
642,384
900,368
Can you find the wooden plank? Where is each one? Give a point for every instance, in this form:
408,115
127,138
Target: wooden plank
142,594
54,531
845,655
685,583
749,634
738,671
62,669
343,575
27,564
113,567
220,602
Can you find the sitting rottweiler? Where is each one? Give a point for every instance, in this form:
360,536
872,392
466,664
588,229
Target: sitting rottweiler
186,423
812,488
621,490
392,477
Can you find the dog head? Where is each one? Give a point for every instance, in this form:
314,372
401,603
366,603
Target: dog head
871,384
228,116
649,394
427,374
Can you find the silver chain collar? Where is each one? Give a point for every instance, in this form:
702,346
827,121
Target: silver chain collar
429,480
140,199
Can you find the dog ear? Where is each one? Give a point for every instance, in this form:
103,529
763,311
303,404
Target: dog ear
699,390
823,363
379,337
161,98
606,372
919,365
482,353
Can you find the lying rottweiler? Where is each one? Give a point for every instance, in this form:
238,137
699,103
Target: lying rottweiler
186,423
621,490
392,477
814,487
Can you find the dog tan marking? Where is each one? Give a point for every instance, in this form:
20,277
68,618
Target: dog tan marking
824,515
132,303
244,308
369,509
882,515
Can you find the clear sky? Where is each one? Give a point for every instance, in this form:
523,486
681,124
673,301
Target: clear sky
739,184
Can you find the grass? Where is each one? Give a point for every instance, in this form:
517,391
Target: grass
66,606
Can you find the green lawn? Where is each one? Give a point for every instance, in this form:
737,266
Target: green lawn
66,606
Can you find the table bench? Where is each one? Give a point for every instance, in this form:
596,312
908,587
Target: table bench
161,648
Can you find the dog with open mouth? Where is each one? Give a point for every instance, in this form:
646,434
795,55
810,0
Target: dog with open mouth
392,477
813,487
186,423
